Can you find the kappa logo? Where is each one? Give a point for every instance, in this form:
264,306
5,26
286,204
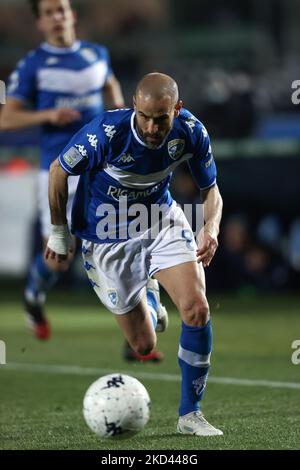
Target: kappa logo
175,148
89,55
109,131
113,296
93,283
204,132
200,384
93,140
113,429
116,381
209,162
52,61
81,149
191,123
126,158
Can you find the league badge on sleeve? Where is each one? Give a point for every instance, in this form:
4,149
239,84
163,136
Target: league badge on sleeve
175,148
72,157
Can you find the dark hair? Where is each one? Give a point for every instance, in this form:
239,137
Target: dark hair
34,4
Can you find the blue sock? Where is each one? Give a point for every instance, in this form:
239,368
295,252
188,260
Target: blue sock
40,279
194,360
153,306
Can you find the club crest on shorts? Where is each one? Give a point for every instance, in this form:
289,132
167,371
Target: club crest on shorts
113,296
175,148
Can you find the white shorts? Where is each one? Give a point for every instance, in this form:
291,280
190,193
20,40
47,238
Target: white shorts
119,271
43,200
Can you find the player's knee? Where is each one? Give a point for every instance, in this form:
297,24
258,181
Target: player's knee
144,346
195,312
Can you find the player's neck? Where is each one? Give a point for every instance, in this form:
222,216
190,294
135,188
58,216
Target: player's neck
66,40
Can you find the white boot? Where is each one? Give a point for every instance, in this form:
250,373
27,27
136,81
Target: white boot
195,424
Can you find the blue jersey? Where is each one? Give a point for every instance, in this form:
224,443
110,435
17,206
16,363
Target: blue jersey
115,163
54,77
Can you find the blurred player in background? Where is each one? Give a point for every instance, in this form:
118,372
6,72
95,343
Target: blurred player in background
130,162
59,86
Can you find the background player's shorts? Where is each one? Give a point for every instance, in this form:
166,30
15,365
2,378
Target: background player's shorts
119,271
43,201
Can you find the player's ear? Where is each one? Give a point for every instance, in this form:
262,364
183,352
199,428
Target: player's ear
39,25
178,107
75,16
134,102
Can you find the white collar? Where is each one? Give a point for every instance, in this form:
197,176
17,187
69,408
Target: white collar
61,50
138,137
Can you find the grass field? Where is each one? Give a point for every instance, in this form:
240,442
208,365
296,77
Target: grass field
42,385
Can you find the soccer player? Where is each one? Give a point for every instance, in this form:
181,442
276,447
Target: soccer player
126,171
59,86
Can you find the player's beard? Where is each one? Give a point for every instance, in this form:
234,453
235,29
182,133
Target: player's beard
157,138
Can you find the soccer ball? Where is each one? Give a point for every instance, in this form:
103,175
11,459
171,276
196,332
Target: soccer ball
116,405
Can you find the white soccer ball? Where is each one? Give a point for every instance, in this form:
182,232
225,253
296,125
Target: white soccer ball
116,404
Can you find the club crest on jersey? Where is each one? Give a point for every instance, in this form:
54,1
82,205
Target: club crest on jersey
175,148
52,61
113,296
89,55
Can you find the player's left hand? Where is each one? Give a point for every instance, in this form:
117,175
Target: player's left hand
207,246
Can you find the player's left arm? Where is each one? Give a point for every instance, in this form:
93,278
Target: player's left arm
204,172
113,93
208,237
58,245
80,155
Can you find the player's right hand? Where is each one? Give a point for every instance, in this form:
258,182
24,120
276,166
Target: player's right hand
60,248
58,263
63,116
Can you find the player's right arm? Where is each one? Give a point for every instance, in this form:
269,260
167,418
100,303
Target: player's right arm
15,116
59,241
83,153
21,96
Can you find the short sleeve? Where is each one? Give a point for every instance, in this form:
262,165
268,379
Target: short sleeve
22,81
105,56
202,164
85,151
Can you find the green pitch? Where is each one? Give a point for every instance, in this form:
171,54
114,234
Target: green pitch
43,384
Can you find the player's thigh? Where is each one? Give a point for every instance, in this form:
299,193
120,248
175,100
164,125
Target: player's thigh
174,264
185,284
117,273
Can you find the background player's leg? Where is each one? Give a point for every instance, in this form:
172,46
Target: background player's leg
195,341
42,277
